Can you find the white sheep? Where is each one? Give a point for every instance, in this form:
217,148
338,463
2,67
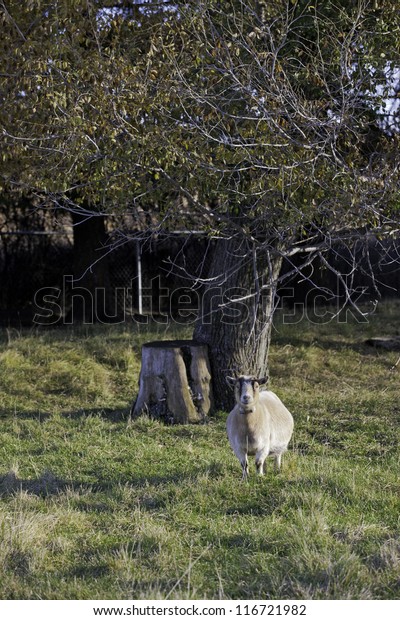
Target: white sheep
259,424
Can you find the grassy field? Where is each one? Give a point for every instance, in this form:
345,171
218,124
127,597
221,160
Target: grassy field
94,508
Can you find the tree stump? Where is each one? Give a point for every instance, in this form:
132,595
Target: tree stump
174,382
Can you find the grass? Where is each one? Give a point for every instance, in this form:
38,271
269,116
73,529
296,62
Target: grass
94,508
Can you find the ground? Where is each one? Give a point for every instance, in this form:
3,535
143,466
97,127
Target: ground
92,507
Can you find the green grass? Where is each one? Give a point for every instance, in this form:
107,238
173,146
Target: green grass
94,508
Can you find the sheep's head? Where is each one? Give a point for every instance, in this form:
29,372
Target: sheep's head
247,389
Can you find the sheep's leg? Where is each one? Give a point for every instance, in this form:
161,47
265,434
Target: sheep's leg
245,467
278,462
260,466
260,459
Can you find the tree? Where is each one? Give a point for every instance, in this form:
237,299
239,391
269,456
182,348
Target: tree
261,123
281,122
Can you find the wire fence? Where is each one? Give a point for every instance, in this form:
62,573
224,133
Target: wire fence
136,278
156,276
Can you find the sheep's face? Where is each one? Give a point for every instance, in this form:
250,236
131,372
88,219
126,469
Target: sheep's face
247,391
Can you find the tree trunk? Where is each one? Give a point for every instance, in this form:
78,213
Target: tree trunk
237,332
175,382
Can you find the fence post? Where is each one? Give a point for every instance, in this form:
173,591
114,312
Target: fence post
139,276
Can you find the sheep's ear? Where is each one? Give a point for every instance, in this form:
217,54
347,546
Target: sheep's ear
262,380
230,381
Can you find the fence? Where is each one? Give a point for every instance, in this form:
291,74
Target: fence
141,278
37,265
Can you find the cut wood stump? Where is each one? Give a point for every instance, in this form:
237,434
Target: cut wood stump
174,382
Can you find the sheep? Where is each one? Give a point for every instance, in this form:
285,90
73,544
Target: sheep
259,424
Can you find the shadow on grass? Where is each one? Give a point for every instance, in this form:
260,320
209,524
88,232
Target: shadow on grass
246,542
46,485
113,415
327,343
263,505
24,415
50,485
